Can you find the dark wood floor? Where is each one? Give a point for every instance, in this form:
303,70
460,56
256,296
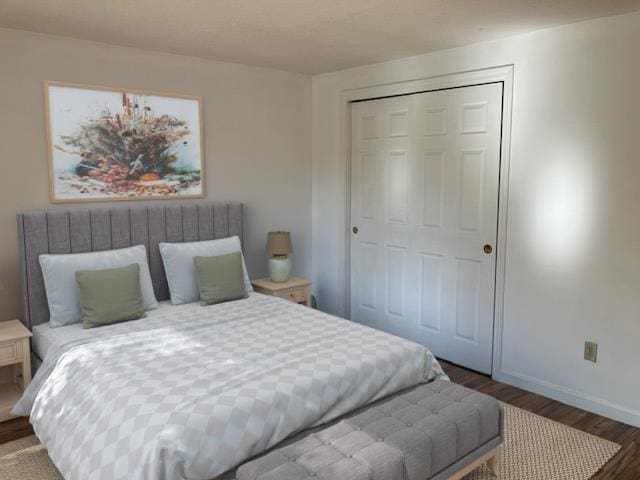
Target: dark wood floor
624,466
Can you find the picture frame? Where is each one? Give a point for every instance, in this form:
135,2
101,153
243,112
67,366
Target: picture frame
113,144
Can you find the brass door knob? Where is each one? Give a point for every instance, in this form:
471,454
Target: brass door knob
355,230
487,249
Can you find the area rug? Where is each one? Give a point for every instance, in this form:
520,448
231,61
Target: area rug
535,448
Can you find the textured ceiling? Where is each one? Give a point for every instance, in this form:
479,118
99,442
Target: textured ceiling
307,36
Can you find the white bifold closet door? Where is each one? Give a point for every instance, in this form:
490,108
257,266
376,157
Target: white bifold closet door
424,212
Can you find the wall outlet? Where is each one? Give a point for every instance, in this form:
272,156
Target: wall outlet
591,351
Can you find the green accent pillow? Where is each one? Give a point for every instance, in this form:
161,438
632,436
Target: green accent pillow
220,278
110,296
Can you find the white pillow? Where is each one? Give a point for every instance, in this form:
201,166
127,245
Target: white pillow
59,272
181,271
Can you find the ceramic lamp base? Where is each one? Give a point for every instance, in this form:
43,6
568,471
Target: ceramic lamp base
279,269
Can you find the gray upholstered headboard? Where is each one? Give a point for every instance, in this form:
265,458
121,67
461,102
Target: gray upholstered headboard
97,229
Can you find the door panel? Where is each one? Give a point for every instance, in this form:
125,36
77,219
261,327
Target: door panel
471,190
368,294
398,186
424,196
431,270
396,259
467,290
433,191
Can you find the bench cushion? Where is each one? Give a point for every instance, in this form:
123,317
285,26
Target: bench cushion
412,436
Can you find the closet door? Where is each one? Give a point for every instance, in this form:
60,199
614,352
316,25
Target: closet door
424,210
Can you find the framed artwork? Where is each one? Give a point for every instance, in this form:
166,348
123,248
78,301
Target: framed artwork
110,144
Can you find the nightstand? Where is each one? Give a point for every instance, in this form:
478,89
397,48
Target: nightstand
295,289
15,365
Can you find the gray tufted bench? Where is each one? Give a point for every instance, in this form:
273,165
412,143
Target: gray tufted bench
436,431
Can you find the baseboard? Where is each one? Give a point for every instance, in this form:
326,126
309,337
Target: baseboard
571,397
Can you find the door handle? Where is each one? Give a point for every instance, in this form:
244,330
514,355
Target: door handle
487,249
355,230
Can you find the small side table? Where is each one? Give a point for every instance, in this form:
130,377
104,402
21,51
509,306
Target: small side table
15,365
295,289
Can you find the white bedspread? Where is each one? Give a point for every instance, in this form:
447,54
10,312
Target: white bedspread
193,391
46,338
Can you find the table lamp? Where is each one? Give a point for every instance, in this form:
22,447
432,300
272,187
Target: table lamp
279,247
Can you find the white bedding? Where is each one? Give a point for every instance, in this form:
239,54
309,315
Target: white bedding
191,391
46,338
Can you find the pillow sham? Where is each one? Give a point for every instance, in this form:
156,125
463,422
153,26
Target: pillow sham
220,278
110,295
181,270
59,273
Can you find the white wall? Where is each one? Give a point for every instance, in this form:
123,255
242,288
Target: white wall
257,125
573,226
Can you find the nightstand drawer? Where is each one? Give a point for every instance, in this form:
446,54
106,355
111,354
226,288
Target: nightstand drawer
10,352
295,289
15,365
297,295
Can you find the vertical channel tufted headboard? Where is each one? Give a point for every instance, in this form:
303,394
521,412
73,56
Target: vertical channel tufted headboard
91,230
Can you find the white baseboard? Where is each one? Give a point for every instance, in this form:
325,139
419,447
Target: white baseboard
571,397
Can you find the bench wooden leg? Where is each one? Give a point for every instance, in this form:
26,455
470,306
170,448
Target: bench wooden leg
491,459
492,462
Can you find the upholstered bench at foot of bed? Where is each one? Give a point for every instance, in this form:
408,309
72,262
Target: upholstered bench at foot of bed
436,431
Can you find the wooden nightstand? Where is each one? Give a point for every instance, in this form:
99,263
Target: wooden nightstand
15,365
295,289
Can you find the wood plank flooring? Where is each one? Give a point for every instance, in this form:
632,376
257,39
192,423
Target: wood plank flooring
624,466
15,429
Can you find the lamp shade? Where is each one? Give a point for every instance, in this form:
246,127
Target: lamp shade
279,243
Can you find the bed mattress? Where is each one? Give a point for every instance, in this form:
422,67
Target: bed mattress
192,391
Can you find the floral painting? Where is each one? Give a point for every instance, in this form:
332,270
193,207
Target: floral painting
113,144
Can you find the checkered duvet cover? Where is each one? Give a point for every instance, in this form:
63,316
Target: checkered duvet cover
194,391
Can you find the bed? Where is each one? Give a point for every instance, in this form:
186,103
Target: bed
190,391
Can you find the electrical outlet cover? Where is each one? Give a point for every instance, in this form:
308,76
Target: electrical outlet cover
591,351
